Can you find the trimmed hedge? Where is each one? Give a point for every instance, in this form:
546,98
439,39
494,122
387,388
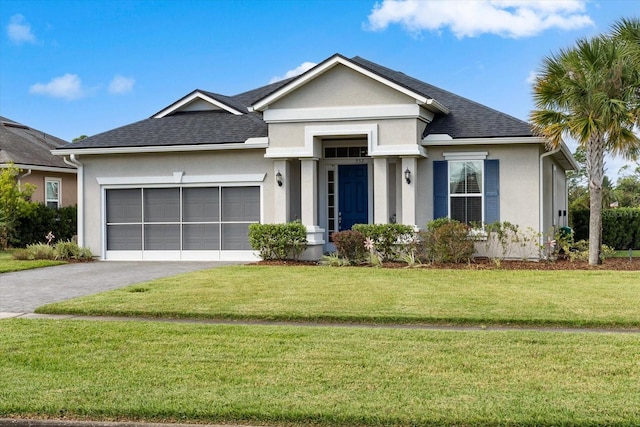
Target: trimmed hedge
278,241
620,227
34,226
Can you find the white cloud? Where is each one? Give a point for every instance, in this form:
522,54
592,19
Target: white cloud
121,85
531,78
19,30
295,72
471,18
67,87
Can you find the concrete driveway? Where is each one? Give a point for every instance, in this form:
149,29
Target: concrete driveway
24,291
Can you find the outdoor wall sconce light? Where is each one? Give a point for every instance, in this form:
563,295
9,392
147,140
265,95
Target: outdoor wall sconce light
407,176
279,179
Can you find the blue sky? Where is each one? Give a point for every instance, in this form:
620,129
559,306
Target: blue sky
83,67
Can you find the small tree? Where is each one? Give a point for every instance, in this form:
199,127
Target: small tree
14,202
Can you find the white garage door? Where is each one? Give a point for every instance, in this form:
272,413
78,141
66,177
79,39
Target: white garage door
180,222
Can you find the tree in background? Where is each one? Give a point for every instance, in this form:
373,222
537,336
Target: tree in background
591,92
14,202
578,183
627,191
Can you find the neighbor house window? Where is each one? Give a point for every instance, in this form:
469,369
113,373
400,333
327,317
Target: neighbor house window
465,191
52,192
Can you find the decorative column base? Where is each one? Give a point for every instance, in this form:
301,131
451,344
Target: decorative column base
315,244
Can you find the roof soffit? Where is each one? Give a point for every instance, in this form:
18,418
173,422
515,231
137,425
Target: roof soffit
338,60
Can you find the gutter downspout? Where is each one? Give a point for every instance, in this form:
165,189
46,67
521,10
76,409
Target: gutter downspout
73,161
24,175
541,190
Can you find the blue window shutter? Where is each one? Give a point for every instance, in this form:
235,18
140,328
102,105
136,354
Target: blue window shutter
440,189
491,191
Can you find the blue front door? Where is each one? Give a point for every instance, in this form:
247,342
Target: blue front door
353,196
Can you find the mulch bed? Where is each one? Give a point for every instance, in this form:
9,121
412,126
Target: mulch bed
616,264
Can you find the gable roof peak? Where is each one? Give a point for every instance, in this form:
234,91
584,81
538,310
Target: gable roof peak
339,59
215,100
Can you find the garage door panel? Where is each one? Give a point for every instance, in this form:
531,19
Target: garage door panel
201,237
200,204
124,205
159,237
124,237
241,204
162,205
234,237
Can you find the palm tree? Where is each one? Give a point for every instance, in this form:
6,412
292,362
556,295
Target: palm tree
591,93
627,31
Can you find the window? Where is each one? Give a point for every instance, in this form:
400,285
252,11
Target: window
465,191
52,192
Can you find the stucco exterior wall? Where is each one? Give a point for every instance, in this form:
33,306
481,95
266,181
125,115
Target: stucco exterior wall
340,87
68,189
519,189
125,167
390,132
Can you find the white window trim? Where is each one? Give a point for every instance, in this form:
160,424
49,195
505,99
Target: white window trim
47,180
461,156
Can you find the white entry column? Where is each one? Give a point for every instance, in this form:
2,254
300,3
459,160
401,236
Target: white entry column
309,207
380,190
409,190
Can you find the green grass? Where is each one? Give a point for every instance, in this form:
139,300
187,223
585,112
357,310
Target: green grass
479,297
625,254
8,264
316,376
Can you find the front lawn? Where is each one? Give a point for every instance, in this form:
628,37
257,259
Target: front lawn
383,296
8,264
276,375
625,254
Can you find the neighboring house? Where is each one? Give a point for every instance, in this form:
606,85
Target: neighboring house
29,150
347,142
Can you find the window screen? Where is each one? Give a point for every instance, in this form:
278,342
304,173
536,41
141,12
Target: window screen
124,206
189,218
240,204
200,204
162,204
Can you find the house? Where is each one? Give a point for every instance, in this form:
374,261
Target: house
347,142
29,149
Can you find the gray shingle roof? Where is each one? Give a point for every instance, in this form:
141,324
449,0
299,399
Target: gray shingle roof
467,119
21,144
188,128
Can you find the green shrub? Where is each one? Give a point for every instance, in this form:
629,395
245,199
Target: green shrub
350,245
69,249
334,260
447,240
278,241
21,254
620,226
388,239
42,251
33,225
